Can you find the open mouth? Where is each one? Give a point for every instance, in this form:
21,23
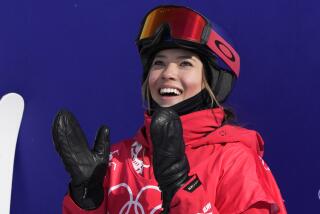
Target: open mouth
169,92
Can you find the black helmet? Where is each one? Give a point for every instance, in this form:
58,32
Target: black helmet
170,26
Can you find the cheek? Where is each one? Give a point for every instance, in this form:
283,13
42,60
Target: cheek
193,83
152,80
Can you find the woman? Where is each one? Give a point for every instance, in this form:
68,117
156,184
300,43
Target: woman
188,157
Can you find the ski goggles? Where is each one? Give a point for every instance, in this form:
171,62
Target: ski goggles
188,25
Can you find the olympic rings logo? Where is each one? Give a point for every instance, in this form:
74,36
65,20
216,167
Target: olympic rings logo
138,208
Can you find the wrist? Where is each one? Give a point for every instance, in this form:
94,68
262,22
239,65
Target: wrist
86,196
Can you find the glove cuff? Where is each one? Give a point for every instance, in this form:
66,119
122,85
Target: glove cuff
168,192
86,196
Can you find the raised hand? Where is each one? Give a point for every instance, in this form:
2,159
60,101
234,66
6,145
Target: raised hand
170,163
86,167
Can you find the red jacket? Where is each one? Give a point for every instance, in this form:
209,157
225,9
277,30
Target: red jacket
226,165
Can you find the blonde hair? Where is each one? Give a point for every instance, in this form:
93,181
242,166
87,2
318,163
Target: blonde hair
209,90
145,92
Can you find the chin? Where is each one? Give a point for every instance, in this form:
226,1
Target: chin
165,105
168,101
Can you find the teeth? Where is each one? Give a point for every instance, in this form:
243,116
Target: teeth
169,91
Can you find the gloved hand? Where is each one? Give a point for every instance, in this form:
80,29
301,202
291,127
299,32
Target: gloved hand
170,163
87,168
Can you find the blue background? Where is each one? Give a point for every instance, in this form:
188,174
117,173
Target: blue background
81,55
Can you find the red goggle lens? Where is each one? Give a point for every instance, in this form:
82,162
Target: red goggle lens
184,24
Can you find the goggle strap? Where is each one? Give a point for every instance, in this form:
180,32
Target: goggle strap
205,34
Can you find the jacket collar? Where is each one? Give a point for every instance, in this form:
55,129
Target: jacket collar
196,126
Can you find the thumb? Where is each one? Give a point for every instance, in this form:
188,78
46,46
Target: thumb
102,143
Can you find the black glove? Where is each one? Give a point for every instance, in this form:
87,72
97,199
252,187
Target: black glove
87,168
170,163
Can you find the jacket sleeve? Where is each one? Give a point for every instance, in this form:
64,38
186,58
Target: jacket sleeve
245,185
247,182
258,208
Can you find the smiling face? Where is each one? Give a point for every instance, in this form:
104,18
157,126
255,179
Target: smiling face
175,75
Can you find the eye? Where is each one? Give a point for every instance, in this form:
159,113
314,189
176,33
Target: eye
186,64
158,63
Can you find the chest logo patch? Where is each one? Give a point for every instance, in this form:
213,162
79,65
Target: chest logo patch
112,163
137,164
193,185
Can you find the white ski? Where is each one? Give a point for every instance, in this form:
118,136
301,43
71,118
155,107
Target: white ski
11,111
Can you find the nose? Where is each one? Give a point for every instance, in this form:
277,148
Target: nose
170,72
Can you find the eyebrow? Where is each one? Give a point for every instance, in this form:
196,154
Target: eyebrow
179,57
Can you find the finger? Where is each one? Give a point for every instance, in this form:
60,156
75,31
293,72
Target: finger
68,136
166,130
159,123
102,142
